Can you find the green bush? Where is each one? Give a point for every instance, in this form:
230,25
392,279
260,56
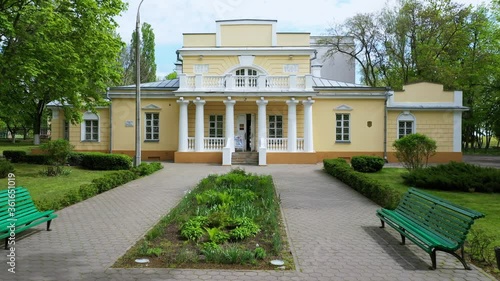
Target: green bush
103,161
113,180
383,195
38,159
5,168
14,156
75,158
57,151
367,164
414,150
455,177
145,169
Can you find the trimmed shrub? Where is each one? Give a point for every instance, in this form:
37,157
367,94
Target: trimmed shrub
14,156
113,180
103,161
383,195
145,169
58,151
75,158
414,150
455,177
38,159
5,168
367,164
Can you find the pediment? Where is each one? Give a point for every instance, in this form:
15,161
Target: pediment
152,107
343,107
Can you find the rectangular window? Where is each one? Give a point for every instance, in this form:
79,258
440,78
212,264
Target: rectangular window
91,130
275,126
216,126
152,126
342,127
405,128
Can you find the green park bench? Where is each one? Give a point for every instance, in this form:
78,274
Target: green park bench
25,215
431,223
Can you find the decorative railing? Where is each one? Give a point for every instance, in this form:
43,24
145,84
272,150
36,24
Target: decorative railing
214,144
230,82
277,144
300,144
191,143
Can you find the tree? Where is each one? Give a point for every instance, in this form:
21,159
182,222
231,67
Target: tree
147,56
171,75
59,50
414,150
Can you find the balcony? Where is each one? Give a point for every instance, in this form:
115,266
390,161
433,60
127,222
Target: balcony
235,83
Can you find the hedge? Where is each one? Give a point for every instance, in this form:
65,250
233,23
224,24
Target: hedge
455,177
367,164
97,186
14,156
384,195
103,161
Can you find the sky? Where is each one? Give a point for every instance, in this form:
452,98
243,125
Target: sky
169,19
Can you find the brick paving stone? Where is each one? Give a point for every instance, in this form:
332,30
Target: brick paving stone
333,233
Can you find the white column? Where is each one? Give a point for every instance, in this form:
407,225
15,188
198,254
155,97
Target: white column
183,125
230,121
199,132
308,125
262,120
292,124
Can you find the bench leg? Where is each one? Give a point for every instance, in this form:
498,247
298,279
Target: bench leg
6,240
48,225
460,258
403,239
433,258
383,223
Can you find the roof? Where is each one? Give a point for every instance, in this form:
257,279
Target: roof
164,84
327,83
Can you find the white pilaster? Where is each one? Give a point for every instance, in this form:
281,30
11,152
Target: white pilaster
262,120
292,124
308,125
183,125
200,125
230,121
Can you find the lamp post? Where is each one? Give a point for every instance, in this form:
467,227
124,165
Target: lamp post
137,160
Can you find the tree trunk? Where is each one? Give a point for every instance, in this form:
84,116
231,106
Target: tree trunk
38,122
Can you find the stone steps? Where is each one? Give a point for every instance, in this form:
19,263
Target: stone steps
245,158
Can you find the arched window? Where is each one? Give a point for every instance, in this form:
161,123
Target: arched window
406,124
246,78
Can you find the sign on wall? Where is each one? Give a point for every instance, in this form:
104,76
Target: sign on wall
290,68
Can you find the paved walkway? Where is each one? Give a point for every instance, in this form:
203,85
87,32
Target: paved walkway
333,231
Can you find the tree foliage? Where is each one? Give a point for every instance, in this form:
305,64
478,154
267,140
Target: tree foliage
414,150
437,41
60,50
147,57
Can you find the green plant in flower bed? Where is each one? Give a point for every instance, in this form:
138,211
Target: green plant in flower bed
219,222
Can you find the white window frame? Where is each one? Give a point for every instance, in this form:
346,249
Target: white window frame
246,77
214,125
406,117
272,125
89,116
152,126
340,124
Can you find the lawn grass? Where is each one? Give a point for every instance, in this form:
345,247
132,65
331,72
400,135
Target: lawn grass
50,188
486,203
19,145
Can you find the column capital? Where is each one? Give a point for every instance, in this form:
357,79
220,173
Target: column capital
182,101
262,101
292,101
309,101
229,101
199,101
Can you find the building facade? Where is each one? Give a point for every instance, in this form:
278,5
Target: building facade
249,88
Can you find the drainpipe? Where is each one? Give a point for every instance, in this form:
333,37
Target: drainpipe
110,122
387,93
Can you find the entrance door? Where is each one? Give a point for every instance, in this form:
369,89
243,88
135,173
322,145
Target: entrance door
244,139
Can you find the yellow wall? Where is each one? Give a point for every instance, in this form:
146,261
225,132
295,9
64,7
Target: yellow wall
423,92
362,137
75,134
124,137
436,125
293,39
219,65
192,40
241,35
57,125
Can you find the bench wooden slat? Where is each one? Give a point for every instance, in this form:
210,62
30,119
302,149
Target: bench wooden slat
430,222
26,214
